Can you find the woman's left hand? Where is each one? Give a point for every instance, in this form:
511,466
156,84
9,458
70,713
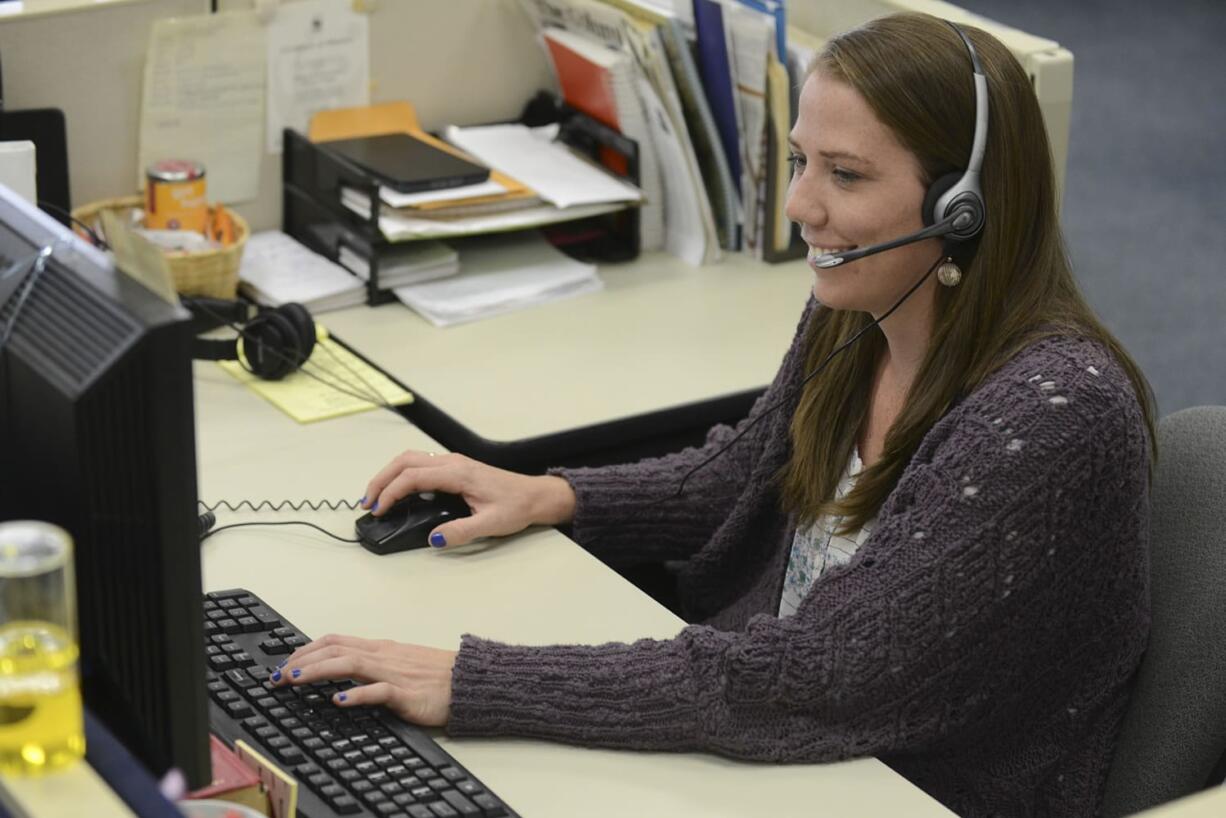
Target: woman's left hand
412,681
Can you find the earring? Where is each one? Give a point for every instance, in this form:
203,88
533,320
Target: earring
949,274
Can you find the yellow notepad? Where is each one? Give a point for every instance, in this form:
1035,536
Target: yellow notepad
332,383
282,789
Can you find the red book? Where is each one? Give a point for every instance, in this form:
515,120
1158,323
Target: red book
588,74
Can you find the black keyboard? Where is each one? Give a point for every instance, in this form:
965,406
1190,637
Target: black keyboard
360,761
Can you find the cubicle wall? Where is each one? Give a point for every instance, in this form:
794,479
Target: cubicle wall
457,61
89,62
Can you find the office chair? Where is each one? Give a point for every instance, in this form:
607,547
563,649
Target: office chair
1173,739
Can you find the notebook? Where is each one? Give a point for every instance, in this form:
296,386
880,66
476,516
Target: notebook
277,270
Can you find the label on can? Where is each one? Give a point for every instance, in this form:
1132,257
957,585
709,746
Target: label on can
175,196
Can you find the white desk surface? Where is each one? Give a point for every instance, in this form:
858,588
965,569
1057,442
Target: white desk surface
536,587
1208,804
661,334
61,794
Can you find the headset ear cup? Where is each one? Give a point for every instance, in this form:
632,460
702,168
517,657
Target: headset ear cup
304,330
269,346
935,191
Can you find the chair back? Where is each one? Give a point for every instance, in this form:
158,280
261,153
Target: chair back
1173,738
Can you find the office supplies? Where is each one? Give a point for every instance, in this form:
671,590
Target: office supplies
407,263
349,761
500,275
333,383
202,98
97,375
557,175
722,191
276,269
408,165
407,525
716,67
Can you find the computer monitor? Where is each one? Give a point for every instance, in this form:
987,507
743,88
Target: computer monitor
97,436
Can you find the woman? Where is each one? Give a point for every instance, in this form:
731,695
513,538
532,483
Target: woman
933,550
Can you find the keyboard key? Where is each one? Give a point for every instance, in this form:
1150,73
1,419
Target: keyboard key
248,600
306,770
229,626
438,784
332,791
390,788
420,811
373,796
345,805
490,804
281,633
240,678
319,780
254,723
461,804
220,662
239,710
443,810
291,755
274,647
386,808
451,773
277,742
228,603
362,785
250,624
468,787
403,799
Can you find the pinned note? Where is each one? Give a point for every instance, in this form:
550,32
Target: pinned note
318,58
204,100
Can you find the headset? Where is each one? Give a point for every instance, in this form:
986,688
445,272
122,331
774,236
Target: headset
953,206
272,342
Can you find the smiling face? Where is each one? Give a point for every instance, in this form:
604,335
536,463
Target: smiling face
854,185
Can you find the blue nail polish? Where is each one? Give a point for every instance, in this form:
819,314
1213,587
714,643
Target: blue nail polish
438,540
362,502
375,507
295,673
276,677
342,697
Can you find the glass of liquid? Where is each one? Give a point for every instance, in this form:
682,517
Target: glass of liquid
41,724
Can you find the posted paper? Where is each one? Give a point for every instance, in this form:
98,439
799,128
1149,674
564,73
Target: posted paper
318,58
204,100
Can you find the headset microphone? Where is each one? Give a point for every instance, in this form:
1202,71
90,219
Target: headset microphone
946,227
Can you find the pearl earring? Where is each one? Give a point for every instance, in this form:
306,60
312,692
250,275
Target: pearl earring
949,274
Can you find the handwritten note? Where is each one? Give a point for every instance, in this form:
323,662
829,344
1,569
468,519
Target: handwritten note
204,100
318,58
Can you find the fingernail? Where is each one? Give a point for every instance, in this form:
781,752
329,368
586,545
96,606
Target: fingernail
375,507
276,677
295,673
438,540
340,697
362,502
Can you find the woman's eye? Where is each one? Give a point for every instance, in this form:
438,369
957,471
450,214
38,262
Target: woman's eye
845,177
796,161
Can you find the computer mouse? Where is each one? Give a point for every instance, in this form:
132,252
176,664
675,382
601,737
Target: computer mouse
408,524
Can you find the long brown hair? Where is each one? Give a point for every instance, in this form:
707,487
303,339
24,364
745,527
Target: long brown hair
914,72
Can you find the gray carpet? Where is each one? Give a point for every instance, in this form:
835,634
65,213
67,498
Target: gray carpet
1145,198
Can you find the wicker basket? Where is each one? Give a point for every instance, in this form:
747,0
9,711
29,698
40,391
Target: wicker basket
204,272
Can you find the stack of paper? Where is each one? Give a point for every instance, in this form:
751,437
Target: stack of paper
276,270
408,263
501,274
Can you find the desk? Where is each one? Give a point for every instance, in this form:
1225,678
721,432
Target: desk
665,348
536,587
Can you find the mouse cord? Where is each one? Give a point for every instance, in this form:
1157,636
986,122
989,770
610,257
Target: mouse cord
208,519
211,531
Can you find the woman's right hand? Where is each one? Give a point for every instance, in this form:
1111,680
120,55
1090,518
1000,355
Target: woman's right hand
502,502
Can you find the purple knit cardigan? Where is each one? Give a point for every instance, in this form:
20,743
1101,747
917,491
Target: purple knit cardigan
982,641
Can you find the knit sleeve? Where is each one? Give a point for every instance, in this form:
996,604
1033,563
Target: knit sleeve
629,512
1004,583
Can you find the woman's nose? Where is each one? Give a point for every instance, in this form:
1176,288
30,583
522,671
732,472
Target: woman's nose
804,204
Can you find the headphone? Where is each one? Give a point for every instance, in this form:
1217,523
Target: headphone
271,344
953,206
